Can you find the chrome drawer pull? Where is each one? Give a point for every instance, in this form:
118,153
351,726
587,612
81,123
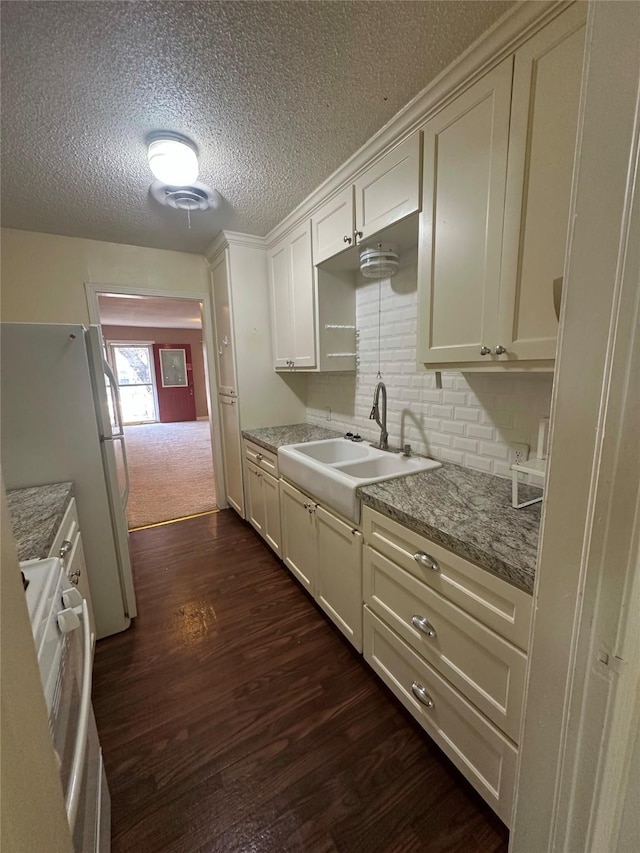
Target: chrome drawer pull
421,694
426,560
423,624
65,547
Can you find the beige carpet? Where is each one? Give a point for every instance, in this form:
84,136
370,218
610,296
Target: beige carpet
171,471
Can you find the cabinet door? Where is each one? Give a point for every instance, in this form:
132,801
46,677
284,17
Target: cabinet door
390,189
302,298
271,496
544,121
460,244
255,498
299,537
223,326
231,452
282,317
339,574
331,225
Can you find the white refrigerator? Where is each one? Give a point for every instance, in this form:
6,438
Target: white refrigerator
60,420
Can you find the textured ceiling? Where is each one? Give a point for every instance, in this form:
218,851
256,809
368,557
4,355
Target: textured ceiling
276,95
151,312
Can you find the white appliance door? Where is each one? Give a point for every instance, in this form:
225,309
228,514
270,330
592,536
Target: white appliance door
232,451
114,457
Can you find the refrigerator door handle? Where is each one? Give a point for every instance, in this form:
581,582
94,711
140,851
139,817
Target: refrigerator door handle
127,483
116,399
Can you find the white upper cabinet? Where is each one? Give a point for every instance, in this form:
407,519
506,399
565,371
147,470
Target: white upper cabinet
544,120
464,176
304,354
389,190
333,226
386,192
292,301
498,165
282,313
223,323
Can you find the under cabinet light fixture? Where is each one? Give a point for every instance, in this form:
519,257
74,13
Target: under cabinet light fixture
173,159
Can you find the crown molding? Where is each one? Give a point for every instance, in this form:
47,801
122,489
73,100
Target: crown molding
233,238
501,40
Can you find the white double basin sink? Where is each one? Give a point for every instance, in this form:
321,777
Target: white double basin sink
332,469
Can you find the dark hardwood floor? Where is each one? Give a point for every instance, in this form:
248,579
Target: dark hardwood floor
234,717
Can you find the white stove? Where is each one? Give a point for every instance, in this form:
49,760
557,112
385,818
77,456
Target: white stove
62,634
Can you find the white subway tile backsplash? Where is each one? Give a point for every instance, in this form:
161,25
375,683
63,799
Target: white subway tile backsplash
485,433
463,413
454,427
438,411
480,463
465,444
471,421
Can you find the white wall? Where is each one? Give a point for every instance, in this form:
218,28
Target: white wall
43,275
470,421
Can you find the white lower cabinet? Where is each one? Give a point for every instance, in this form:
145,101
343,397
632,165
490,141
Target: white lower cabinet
485,756
299,547
339,574
450,640
487,669
325,555
262,490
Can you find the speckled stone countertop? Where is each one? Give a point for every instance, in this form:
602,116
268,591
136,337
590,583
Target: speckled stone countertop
36,514
470,514
271,438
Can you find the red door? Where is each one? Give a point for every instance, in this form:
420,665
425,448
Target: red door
174,381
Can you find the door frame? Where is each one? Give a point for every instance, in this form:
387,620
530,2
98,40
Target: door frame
154,380
94,289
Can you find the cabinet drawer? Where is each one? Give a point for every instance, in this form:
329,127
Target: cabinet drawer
496,603
483,754
261,458
66,532
485,668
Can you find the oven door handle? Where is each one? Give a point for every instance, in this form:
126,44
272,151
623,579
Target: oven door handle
80,749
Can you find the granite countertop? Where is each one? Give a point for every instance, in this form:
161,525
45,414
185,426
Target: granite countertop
469,513
36,514
271,438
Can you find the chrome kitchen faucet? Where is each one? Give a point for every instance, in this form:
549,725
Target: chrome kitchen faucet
380,419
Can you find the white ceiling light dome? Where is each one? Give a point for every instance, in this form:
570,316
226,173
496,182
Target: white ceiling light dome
173,159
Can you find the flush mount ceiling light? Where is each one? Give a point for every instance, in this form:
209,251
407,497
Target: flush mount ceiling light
173,159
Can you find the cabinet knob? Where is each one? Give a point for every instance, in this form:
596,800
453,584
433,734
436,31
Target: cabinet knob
426,560
65,547
484,350
423,625
357,235
347,239
421,694
500,350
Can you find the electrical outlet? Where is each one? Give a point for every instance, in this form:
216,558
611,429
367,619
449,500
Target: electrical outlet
519,453
328,412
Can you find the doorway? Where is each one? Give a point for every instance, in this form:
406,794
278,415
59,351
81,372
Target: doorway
155,345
